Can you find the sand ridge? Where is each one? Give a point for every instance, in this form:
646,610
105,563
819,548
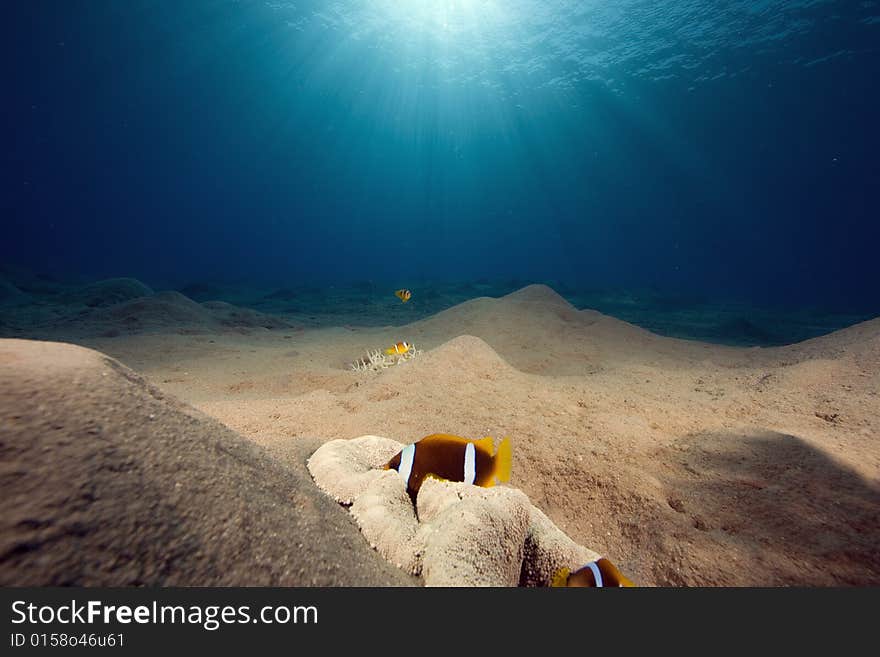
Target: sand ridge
107,481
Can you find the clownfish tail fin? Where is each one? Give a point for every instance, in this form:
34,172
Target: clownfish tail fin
624,581
560,577
503,461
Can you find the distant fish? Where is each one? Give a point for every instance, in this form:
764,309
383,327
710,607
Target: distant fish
453,458
403,295
398,349
600,573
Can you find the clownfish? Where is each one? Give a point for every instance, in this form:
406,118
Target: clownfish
453,458
600,573
399,349
403,295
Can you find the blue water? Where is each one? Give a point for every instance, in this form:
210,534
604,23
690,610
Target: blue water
723,148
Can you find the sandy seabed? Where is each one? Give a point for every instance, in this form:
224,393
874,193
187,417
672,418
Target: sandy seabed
685,463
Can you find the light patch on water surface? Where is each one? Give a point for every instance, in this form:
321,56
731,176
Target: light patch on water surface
532,44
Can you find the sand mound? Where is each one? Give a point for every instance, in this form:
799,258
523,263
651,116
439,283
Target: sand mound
462,366
283,294
170,312
465,353
106,481
225,314
162,309
462,536
29,282
112,291
537,331
538,294
202,291
11,295
861,340
497,315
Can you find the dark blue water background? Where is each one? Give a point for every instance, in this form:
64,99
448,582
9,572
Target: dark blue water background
723,149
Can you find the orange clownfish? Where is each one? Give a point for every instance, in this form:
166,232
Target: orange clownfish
398,349
600,573
453,458
403,295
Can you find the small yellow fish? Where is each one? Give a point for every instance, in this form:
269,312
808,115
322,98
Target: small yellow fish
600,573
398,349
404,295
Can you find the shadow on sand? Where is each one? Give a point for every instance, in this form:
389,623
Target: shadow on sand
780,509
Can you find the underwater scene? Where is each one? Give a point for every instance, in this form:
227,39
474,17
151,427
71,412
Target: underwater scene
451,293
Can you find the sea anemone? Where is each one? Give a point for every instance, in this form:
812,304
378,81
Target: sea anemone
376,360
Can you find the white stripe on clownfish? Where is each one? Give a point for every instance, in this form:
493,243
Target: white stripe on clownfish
597,574
407,456
470,463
